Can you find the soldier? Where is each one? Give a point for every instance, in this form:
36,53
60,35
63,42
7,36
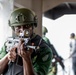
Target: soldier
30,55
56,58
73,51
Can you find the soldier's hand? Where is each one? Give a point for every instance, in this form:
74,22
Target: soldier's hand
12,54
23,52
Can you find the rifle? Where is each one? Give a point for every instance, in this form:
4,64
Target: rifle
13,42
56,56
59,59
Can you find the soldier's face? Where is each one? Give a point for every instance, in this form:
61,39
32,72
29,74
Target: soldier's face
24,30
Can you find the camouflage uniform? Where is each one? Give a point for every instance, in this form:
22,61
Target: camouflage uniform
53,68
41,59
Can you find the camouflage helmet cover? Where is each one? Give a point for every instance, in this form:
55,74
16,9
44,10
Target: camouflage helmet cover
22,16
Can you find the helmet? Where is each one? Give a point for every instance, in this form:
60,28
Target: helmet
22,16
44,30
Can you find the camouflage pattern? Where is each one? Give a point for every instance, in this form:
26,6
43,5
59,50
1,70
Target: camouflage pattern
41,59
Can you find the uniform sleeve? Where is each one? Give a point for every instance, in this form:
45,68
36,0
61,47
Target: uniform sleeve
2,52
43,61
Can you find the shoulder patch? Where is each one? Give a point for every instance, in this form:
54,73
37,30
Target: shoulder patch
45,57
